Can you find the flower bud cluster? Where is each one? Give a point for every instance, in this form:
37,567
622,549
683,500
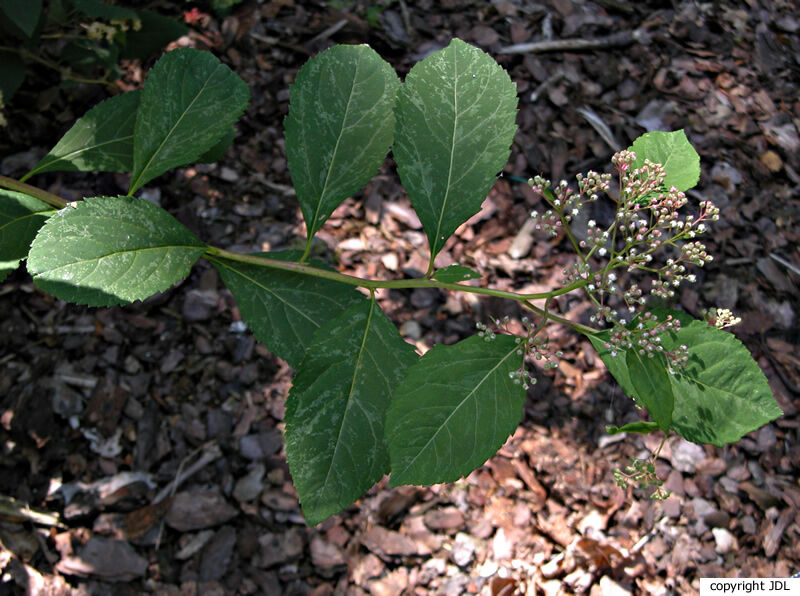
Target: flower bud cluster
645,338
641,184
720,317
596,238
485,332
565,201
530,346
98,30
647,223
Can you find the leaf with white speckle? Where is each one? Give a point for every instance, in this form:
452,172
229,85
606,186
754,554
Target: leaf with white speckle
339,127
456,116
188,104
106,251
455,408
101,140
336,408
455,273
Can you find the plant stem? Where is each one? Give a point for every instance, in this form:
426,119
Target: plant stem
65,72
42,195
558,319
213,252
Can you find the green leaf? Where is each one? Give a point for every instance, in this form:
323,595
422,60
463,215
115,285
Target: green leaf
155,33
102,140
339,127
189,103
455,273
285,309
21,216
85,55
218,151
7,268
455,123
615,361
12,73
721,394
641,427
106,251
23,13
650,380
336,408
100,10
673,151
454,410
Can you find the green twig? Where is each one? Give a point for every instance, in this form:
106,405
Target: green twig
213,253
65,72
33,191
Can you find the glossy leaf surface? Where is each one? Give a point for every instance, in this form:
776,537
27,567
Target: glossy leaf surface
650,380
673,151
719,396
21,216
455,273
24,14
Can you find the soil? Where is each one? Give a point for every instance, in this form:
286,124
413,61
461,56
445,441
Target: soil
142,445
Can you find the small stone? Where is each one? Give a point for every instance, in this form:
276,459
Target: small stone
218,422
446,518
394,582
672,508
111,560
279,500
66,402
172,360
280,548
749,525
198,305
411,329
250,486
390,261
502,546
228,174
198,510
608,587
385,542
463,551
326,556
772,160
579,581
686,456
192,544
702,508
717,519
725,541
726,175
370,566
260,446
217,554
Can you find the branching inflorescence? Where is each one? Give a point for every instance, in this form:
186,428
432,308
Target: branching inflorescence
647,236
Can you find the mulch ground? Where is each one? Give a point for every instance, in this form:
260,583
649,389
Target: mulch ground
153,432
